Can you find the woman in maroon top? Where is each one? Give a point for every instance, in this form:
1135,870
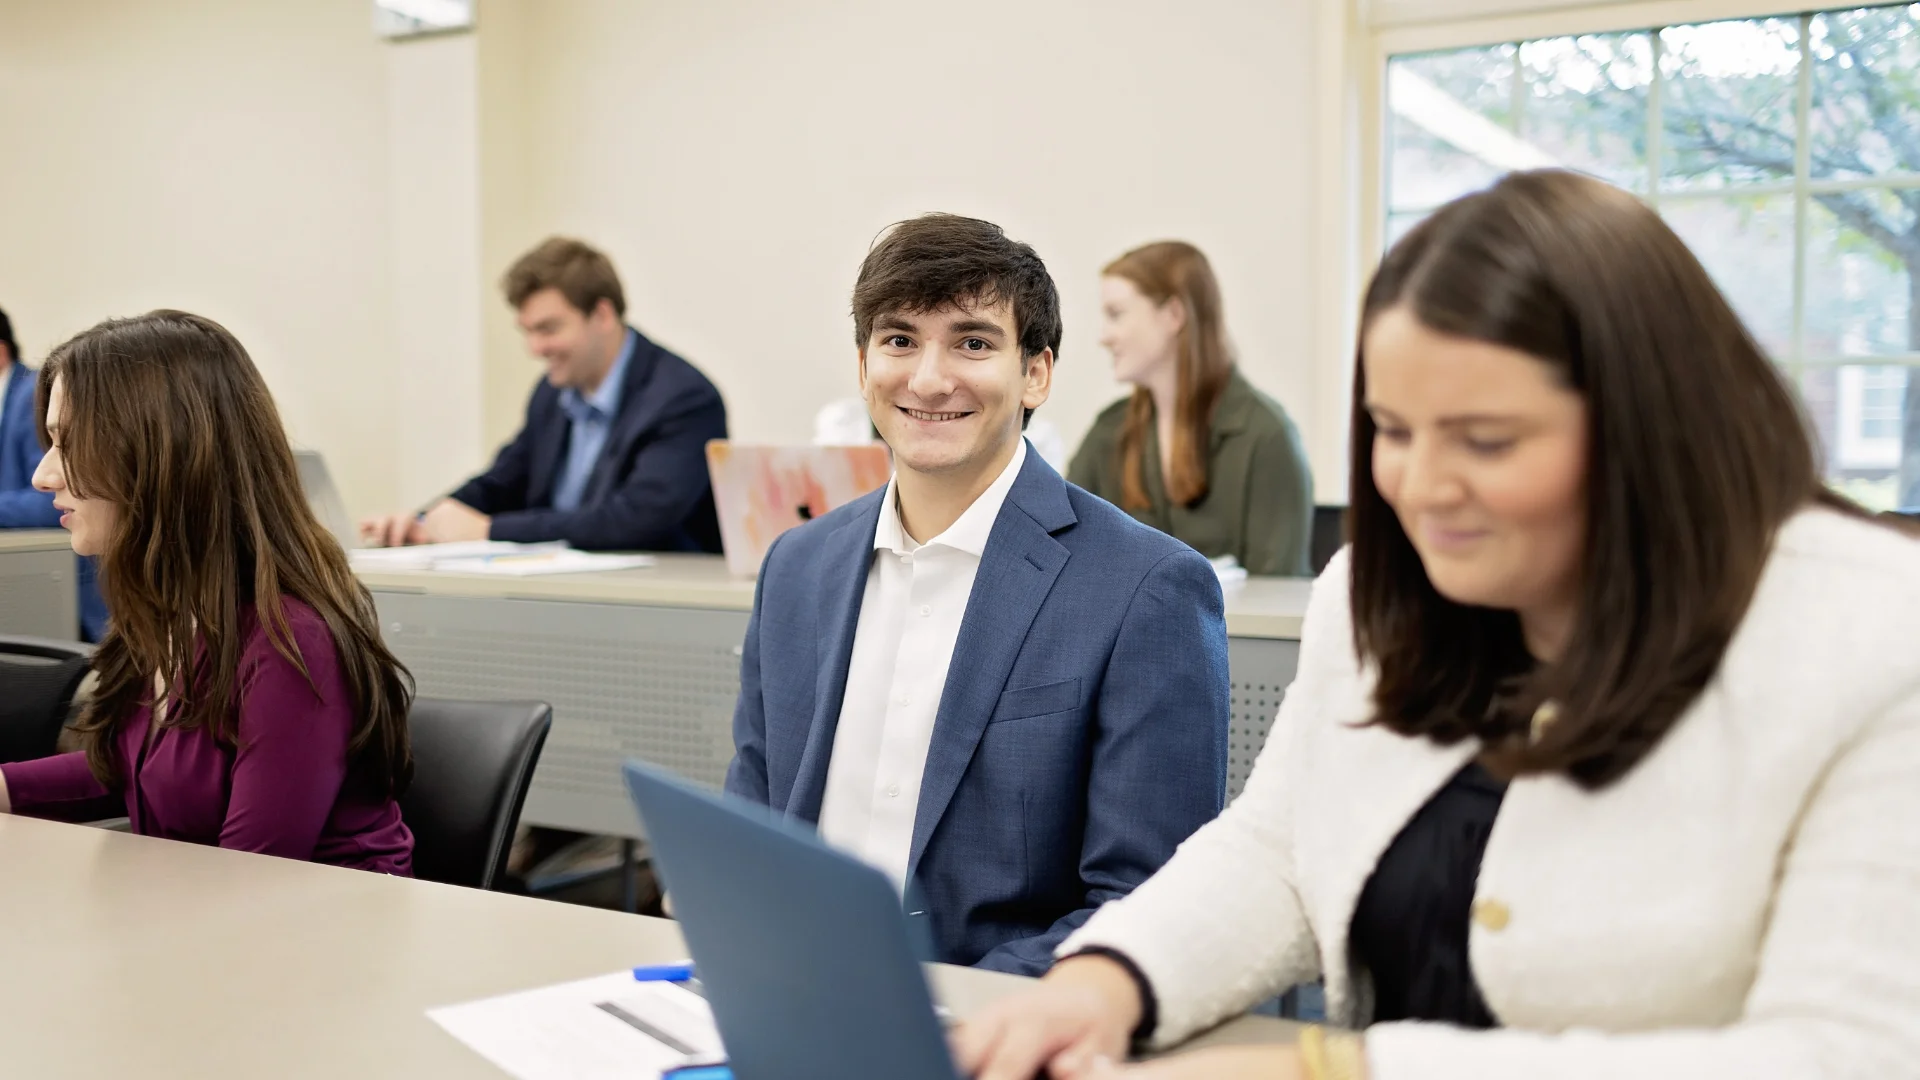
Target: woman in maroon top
245,698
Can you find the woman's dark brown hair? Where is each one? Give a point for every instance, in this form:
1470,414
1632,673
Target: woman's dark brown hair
1164,271
167,418
1697,453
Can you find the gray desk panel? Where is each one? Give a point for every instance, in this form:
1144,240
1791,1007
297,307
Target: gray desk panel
37,594
1261,669
624,681
658,684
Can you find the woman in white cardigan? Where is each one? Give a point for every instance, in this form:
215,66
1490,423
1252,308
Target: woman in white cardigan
1603,757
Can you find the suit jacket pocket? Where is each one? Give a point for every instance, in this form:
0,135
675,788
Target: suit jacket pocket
1028,701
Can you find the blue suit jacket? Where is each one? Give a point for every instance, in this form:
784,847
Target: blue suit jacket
21,507
649,490
1081,735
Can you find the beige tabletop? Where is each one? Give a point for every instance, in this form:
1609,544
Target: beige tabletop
126,956
33,540
1256,608
1262,607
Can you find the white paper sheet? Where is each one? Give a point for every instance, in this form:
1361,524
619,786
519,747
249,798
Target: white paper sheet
532,563
424,556
493,557
587,1030
1229,571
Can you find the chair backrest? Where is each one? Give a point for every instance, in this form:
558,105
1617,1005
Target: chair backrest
472,764
38,678
1329,533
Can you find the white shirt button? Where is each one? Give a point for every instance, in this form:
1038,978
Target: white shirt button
926,610
893,791
903,700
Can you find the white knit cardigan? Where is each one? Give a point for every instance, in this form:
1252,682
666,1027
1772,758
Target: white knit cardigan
1745,903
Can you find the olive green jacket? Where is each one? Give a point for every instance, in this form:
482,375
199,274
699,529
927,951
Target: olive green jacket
1259,502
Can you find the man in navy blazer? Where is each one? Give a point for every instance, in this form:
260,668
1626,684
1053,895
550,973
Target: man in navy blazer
613,453
981,679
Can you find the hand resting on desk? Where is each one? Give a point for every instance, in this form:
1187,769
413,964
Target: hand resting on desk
448,521
1075,1024
392,530
1085,1008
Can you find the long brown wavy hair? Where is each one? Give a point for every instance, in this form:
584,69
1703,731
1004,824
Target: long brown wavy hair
1176,270
1697,453
167,418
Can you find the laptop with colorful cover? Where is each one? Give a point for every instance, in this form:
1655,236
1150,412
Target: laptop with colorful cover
762,491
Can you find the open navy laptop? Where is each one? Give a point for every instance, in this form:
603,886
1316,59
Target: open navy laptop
804,953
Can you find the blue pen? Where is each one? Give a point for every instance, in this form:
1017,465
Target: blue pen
664,973
699,1072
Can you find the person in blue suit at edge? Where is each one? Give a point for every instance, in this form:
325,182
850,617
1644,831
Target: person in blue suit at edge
981,679
613,456
21,507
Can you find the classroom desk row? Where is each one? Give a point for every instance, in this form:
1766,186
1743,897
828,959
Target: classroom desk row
131,956
37,584
646,664
636,663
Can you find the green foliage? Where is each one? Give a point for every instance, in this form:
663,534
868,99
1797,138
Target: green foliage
1729,101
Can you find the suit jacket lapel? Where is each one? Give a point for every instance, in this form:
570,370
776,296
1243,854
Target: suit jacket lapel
1017,571
843,578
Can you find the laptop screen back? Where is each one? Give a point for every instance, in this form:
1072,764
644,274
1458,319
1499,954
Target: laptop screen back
804,952
762,491
324,498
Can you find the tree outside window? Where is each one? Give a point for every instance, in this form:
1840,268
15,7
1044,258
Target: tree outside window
1785,151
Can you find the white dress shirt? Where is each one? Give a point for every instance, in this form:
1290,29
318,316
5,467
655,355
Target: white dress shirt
910,618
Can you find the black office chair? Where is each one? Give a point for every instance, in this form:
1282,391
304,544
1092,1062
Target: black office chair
38,678
1329,534
472,764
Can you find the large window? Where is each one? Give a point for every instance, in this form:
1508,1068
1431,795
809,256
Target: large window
1785,151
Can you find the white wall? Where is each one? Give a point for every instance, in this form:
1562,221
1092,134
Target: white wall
736,157
433,185
228,157
346,206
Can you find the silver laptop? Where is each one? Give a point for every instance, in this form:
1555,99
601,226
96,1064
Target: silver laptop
324,498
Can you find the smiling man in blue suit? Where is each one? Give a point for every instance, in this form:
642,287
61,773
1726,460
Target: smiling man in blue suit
981,679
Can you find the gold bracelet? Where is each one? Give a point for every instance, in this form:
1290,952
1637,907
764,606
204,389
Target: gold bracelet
1345,1056
1313,1052
1328,1055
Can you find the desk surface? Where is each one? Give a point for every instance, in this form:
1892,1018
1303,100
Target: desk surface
128,956
33,540
1258,608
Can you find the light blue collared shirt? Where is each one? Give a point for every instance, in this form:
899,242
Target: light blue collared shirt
592,418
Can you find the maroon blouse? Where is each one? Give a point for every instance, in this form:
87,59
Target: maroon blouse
285,789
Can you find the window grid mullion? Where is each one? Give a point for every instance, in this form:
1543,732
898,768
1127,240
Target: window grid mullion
1802,172
1734,191
1836,360
1656,140
1517,93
